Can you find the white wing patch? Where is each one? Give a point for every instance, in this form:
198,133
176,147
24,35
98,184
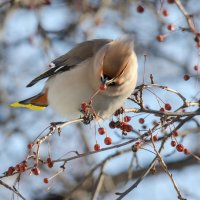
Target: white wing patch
52,65
58,69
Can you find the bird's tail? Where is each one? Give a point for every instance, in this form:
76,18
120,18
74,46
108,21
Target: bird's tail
37,102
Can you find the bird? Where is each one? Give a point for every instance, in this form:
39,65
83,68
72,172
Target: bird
94,78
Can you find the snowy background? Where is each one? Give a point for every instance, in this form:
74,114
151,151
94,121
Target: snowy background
33,34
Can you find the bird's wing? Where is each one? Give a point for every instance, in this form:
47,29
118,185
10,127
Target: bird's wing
72,58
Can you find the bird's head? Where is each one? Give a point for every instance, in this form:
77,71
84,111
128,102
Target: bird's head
114,63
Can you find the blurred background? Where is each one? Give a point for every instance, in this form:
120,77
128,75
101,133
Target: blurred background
34,32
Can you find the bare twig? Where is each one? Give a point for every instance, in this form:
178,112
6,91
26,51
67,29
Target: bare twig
99,182
122,195
102,163
14,190
188,16
165,113
167,171
93,152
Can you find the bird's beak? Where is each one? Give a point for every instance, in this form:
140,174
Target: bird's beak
113,77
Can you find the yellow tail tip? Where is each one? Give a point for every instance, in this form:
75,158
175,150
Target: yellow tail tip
29,106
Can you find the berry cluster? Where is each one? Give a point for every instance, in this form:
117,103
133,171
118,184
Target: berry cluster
21,167
49,162
85,107
34,170
121,124
179,147
107,139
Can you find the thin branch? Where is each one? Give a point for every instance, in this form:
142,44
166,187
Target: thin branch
12,189
96,167
122,195
165,113
167,171
99,182
188,16
93,152
56,126
162,87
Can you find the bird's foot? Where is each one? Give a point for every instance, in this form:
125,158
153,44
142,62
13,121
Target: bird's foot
57,126
87,118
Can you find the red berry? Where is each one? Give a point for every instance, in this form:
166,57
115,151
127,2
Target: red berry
162,110
170,27
18,168
119,111
23,168
108,141
175,133
127,118
84,106
123,126
101,131
47,2
196,67
179,147
118,124
49,160
30,146
136,146
35,171
155,138
97,147
141,120
186,77
173,143
50,164
160,38
10,170
112,125
170,1
103,87
140,9
186,151
46,180
168,106
128,128
165,12
138,143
